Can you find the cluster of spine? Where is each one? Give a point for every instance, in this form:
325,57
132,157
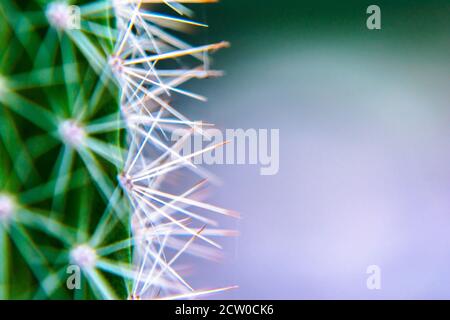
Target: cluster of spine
147,191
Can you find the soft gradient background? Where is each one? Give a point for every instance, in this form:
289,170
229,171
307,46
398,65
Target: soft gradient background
364,118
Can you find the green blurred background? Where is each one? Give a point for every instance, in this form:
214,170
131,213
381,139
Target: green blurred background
364,152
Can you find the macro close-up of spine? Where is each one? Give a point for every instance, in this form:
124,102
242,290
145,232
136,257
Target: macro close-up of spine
97,201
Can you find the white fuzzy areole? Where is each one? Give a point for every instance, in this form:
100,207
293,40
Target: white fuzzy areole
58,15
7,207
84,256
125,182
71,133
116,65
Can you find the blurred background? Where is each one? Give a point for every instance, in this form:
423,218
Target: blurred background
364,119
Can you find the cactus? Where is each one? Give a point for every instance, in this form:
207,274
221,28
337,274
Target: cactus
90,183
